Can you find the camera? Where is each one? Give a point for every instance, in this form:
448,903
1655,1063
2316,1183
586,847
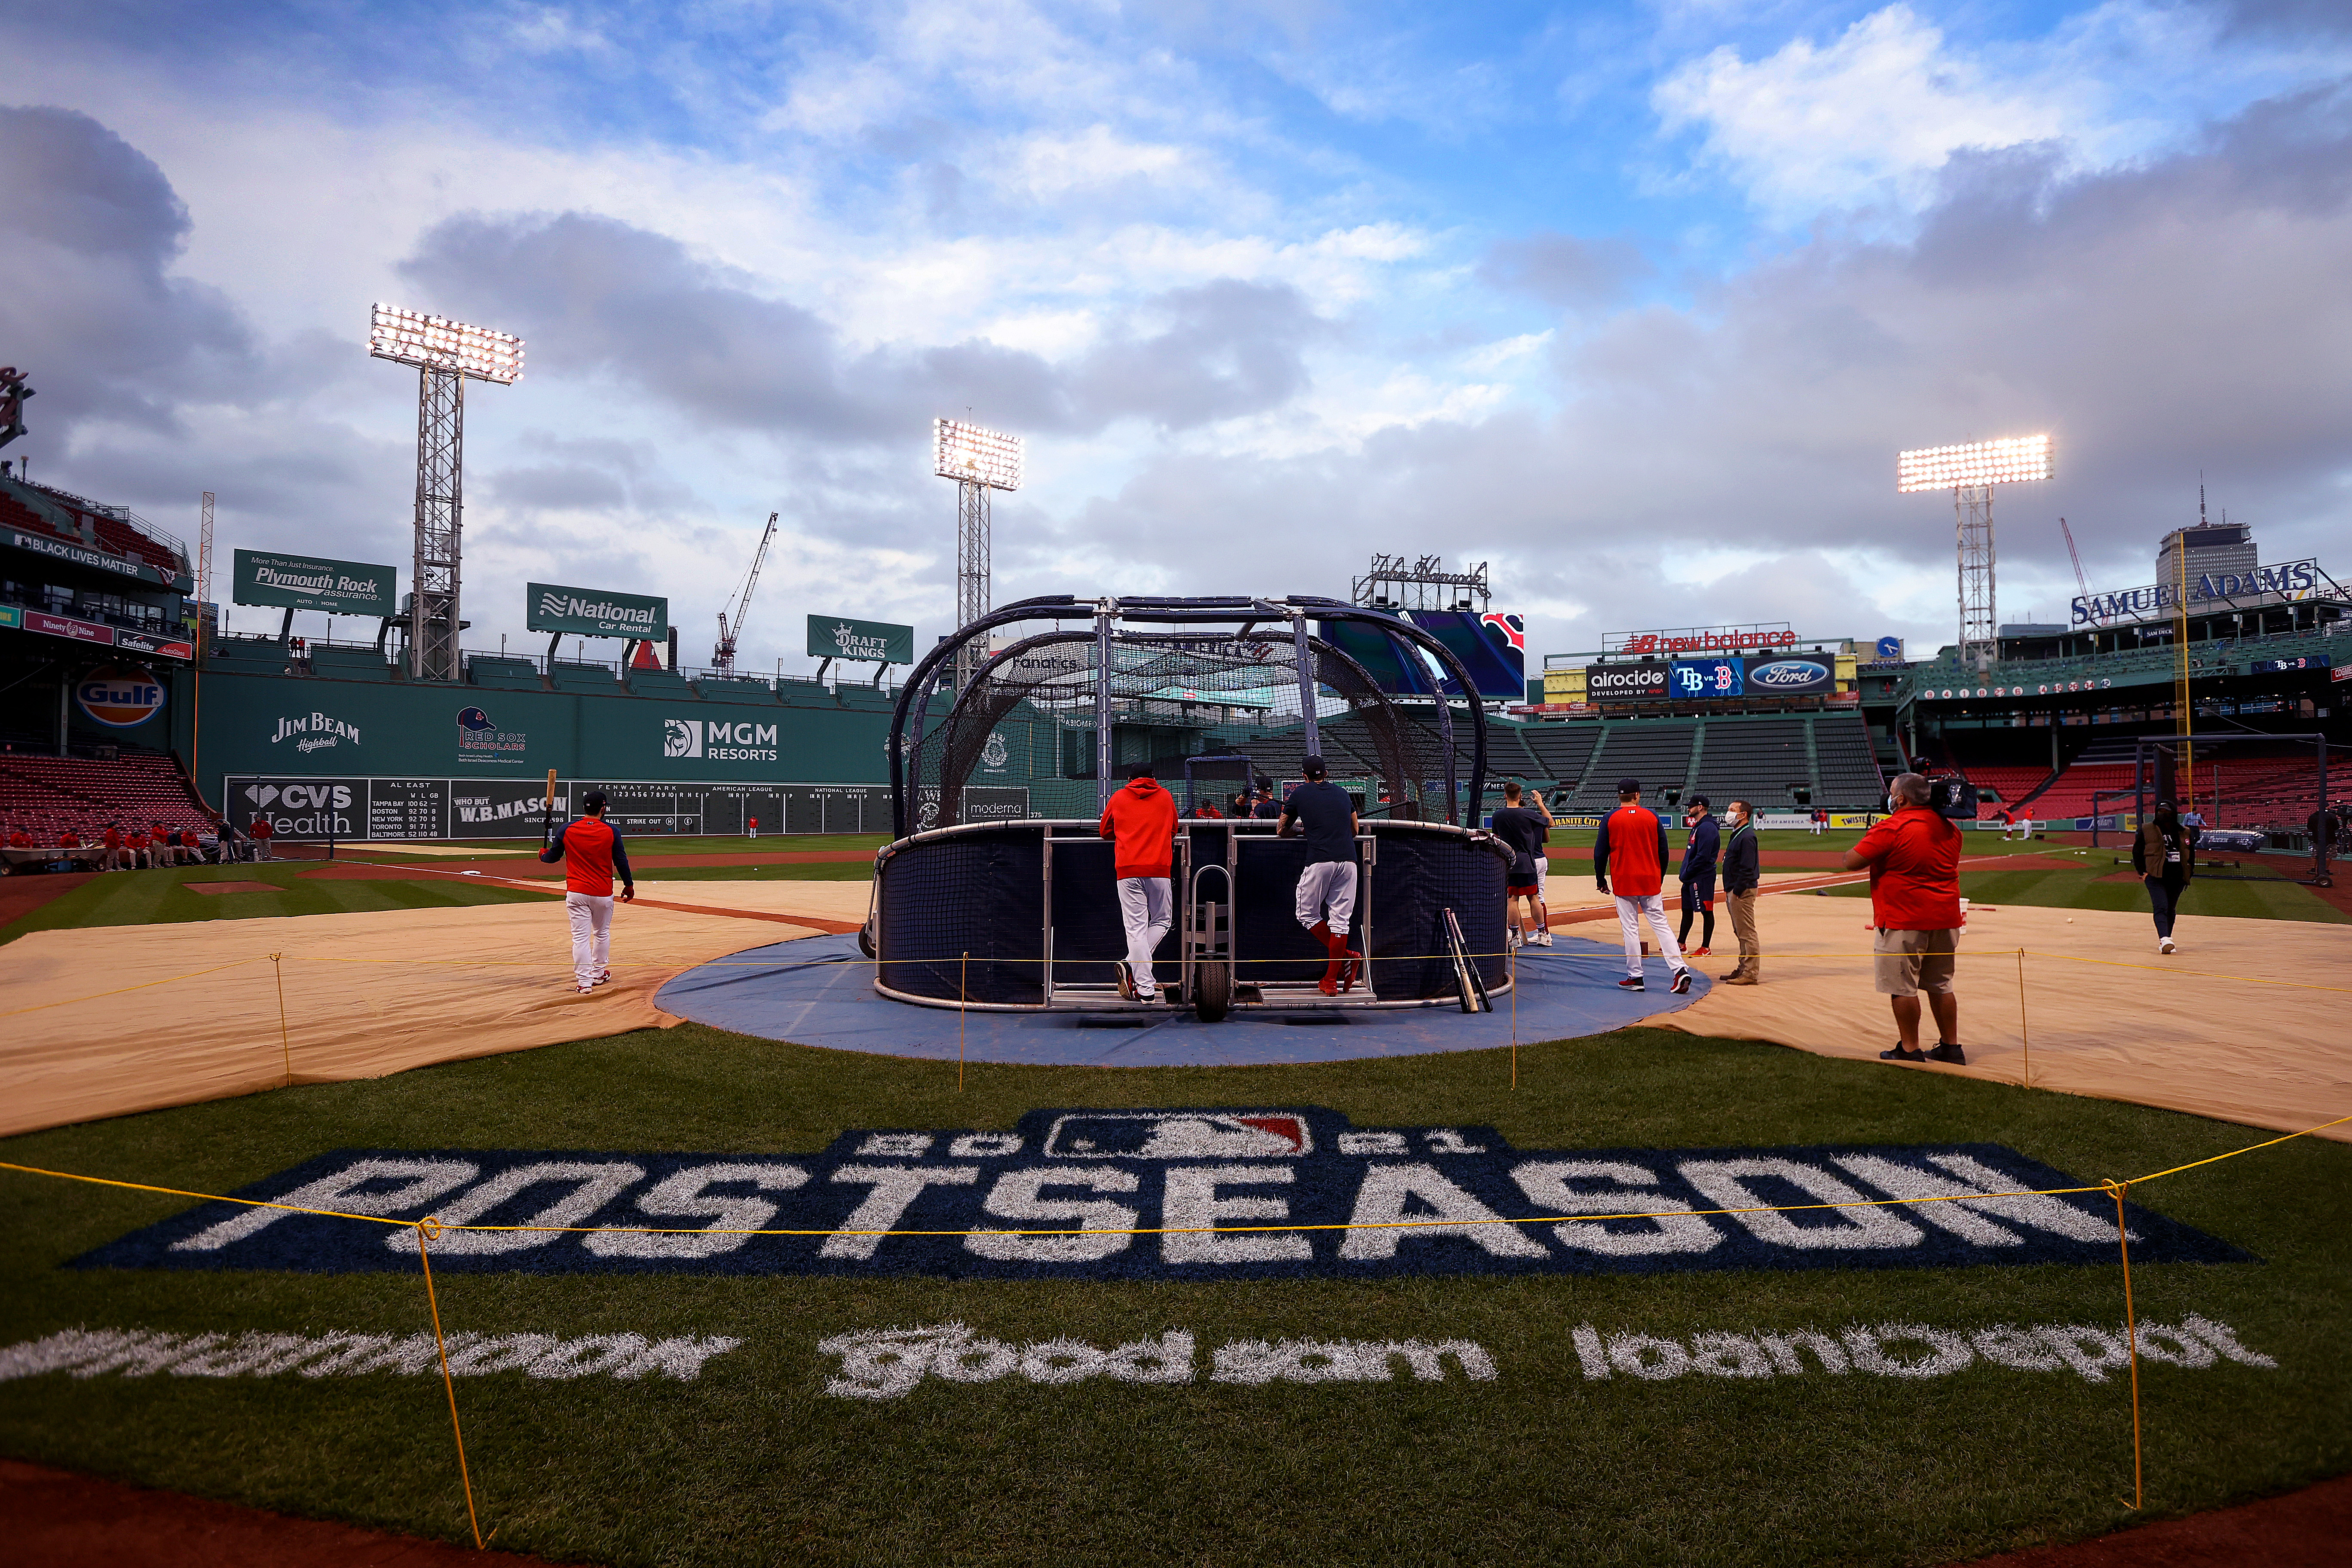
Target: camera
1948,795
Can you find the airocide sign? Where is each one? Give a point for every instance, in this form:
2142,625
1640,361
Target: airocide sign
881,642
313,583
1623,682
596,612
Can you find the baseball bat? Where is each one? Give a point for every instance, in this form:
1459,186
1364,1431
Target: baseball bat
547,823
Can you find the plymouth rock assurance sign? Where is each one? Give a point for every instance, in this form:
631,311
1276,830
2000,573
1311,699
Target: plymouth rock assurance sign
1246,1193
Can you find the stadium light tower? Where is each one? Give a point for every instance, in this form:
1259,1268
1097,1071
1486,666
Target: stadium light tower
1970,471
978,460
444,354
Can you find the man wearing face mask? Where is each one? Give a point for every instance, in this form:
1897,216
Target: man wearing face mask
1914,858
1740,876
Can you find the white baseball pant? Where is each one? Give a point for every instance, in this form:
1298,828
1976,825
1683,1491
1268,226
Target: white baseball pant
592,934
1631,913
1144,908
1327,892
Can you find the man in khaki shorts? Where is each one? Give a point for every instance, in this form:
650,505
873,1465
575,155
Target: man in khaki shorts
1913,857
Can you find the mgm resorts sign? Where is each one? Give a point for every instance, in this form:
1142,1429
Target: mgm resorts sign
2290,580
1240,1192
594,613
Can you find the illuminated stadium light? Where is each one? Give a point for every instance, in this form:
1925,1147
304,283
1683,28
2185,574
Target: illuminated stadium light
2008,462
977,455
437,342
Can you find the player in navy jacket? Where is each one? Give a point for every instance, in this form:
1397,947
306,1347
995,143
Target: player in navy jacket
1698,875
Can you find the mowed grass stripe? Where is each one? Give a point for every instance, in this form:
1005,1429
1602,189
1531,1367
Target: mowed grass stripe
150,898
755,1463
2269,899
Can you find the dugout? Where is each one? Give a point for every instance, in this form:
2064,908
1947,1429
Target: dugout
1024,914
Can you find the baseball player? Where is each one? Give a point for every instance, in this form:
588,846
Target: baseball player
1520,830
1140,823
1321,812
591,851
1636,840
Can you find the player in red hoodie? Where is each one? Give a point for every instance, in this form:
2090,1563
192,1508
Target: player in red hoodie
593,854
1633,844
1140,823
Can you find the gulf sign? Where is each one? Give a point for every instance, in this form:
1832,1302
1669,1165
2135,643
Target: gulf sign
1233,1192
117,698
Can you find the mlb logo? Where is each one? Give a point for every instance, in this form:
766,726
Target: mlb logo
1180,1135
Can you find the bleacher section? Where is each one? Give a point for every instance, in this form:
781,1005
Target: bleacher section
2010,786
735,689
1848,774
498,673
349,663
1560,752
252,654
1756,761
661,683
590,679
46,795
1659,755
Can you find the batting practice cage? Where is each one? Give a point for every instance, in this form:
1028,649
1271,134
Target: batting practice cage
2257,793
975,908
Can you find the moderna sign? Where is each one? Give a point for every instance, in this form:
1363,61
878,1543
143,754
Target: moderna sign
1169,1194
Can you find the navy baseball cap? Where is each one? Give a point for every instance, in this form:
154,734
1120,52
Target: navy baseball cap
1629,786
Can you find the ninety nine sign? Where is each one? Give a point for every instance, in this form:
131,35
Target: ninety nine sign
596,614
880,642
1167,1195
307,583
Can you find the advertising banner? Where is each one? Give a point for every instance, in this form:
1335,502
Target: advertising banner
1624,682
595,612
877,642
1792,675
119,698
1492,648
1702,679
314,583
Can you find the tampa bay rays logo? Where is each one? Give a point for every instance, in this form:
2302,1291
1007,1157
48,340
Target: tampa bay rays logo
1513,628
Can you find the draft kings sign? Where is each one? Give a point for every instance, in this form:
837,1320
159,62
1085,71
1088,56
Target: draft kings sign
1246,1193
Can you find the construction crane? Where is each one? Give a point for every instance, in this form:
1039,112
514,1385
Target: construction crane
2076,555
722,657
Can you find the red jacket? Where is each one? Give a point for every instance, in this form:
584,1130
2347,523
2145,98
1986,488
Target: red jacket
1914,871
1141,821
590,852
1630,852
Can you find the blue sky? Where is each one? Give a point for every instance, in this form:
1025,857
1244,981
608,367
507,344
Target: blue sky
1633,300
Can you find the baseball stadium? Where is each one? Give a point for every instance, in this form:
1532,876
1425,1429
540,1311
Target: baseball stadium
848,1196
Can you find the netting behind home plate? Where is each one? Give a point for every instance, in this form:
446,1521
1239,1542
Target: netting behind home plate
1173,678
2256,793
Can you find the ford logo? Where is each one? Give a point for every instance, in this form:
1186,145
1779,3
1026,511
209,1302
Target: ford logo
1788,672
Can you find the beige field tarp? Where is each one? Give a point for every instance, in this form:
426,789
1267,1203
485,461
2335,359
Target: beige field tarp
2245,1024
104,1021
2248,1022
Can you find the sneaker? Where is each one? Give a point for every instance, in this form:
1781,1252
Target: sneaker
1126,981
1697,952
2164,945
1632,983
1350,968
604,977
1542,939
589,990
1948,1052
1328,986
1681,987
1152,996
1900,1055
1511,938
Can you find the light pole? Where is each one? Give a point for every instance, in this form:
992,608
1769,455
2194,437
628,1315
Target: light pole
979,460
1970,471
444,354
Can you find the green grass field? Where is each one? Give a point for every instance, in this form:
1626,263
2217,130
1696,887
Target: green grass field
755,1463
148,898
2273,899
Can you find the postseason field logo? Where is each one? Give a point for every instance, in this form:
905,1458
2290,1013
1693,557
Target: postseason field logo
1167,1195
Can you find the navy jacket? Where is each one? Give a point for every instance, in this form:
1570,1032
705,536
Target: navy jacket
1739,865
1698,855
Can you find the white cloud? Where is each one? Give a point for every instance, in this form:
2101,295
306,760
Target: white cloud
1863,117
